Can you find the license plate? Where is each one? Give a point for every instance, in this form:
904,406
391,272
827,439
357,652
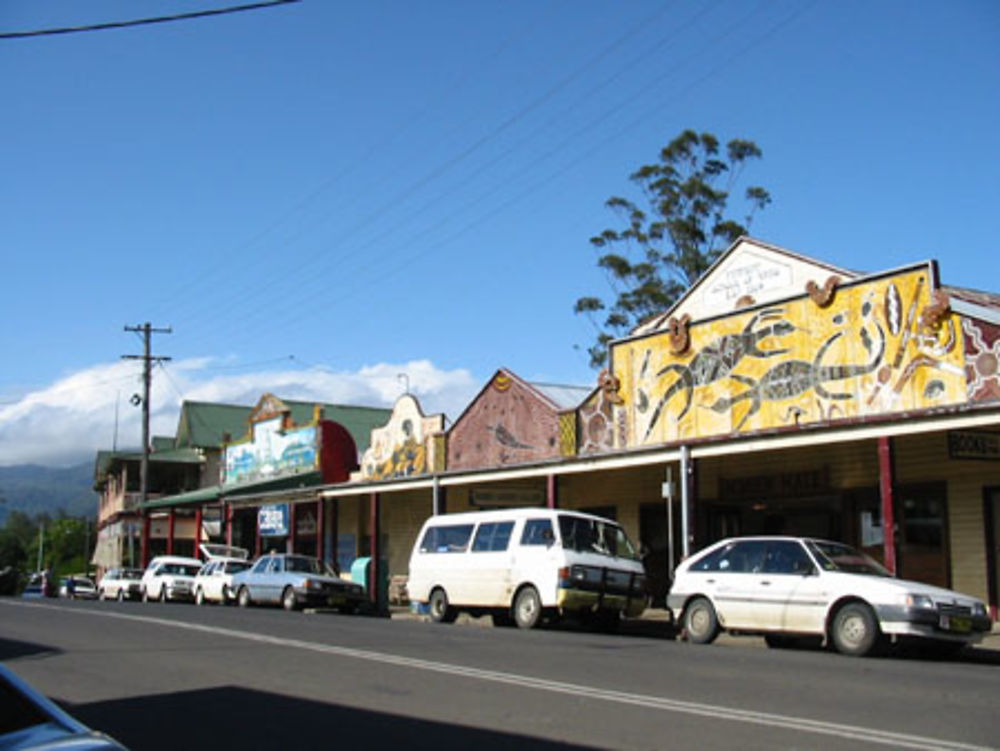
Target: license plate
956,623
334,600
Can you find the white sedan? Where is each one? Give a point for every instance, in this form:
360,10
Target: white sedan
789,587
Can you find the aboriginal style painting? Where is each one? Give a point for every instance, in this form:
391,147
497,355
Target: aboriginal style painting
510,422
882,345
982,360
404,446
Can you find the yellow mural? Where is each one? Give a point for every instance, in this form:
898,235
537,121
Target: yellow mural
862,350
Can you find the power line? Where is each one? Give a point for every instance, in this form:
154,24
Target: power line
144,21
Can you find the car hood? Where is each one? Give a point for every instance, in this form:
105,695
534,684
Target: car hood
884,584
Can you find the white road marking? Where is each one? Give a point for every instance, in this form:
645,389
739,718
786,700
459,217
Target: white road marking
714,711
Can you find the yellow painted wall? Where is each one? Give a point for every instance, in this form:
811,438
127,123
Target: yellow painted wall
872,351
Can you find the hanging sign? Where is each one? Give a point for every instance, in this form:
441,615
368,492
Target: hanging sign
969,444
272,521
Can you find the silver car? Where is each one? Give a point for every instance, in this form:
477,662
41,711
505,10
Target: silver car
295,581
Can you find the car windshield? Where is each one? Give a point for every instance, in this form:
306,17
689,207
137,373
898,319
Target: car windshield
306,565
233,567
595,536
835,556
180,569
131,574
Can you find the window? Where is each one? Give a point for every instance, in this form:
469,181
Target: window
737,557
537,532
261,566
492,537
449,539
786,557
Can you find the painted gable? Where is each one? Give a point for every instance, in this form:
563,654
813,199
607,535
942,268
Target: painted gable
749,273
508,423
404,447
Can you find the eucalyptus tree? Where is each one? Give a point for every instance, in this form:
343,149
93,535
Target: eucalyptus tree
678,231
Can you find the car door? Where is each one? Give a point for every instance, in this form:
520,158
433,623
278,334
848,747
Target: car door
793,588
537,558
274,579
740,597
256,581
489,565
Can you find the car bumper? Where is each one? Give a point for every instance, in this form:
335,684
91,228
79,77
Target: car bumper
312,598
579,600
178,593
925,622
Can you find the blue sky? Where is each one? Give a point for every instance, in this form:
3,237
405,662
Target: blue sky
320,196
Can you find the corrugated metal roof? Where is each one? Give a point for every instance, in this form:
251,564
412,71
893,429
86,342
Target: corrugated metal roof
564,396
203,424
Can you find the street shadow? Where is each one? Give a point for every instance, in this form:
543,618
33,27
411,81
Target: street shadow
11,649
234,717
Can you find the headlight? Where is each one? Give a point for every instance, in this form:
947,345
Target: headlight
979,609
312,584
918,601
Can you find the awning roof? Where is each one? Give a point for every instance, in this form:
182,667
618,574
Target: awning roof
214,493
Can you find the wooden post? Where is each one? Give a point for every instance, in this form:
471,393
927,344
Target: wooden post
227,513
552,491
147,522
375,526
197,532
320,524
292,535
170,532
885,483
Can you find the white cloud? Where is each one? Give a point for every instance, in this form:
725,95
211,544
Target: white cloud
69,421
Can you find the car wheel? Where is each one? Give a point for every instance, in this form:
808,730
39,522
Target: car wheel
527,608
855,630
700,621
243,598
288,599
199,596
441,611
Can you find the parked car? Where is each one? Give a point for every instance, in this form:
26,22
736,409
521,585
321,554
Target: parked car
523,564
77,588
31,721
169,577
40,584
213,582
295,581
788,588
121,584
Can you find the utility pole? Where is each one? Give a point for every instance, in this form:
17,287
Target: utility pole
147,358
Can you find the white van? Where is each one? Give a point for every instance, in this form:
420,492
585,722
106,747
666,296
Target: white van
522,564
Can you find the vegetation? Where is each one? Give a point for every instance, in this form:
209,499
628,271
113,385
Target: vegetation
66,543
663,250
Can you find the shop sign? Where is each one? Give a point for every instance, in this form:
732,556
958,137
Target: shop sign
496,497
968,444
272,452
786,484
272,521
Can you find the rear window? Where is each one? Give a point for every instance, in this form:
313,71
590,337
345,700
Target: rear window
492,537
453,538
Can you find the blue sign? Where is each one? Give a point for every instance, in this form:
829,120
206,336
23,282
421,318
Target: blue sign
272,521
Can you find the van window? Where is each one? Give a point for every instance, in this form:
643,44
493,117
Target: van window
450,539
492,537
537,532
595,536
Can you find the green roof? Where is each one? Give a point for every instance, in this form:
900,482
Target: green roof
202,424
215,492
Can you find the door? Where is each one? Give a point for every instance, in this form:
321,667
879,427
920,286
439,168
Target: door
795,589
490,563
922,512
537,558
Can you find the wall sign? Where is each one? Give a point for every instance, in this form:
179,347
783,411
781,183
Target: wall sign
782,485
968,444
503,498
272,521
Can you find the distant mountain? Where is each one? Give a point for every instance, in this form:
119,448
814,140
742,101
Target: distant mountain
35,490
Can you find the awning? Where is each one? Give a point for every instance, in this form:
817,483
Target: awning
255,490
192,497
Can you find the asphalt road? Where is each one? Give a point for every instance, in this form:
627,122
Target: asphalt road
172,676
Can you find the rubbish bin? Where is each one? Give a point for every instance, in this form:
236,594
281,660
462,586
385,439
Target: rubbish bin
361,574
